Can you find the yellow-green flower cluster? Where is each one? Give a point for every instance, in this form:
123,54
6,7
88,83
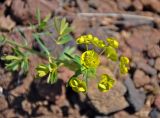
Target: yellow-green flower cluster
106,83
90,39
78,85
90,59
123,65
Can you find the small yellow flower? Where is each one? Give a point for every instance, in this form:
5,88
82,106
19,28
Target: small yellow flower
124,61
90,59
112,42
106,83
111,53
78,85
98,43
85,39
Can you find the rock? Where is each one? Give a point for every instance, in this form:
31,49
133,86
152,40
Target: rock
83,6
135,97
143,42
145,111
151,62
140,79
125,4
123,114
24,11
2,9
154,5
157,102
155,113
157,64
6,23
81,25
153,51
137,5
10,113
147,68
115,98
3,103
27,106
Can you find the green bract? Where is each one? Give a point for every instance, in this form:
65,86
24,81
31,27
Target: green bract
78,85
111,53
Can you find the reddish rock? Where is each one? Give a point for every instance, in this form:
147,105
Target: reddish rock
143,37
153,4
153,50
3,103
157,64
6,23
137,5
81,25
24,11
140,79
125,4
124,114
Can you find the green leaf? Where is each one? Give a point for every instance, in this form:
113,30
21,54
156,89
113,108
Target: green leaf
38,16
64,25
10,57
67,31
57,24
25,65
2,40
68,50
64,39
13,65
46,19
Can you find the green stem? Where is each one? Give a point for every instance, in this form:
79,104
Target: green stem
25,47
102,52
37,38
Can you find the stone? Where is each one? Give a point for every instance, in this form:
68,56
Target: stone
135,97
143,42
27,107
153,51
81,25
157,64
157,102
151,62
147,68
6,23
140,79
137,5
115,97
155,113
3,103
123,114
24,11
125,4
